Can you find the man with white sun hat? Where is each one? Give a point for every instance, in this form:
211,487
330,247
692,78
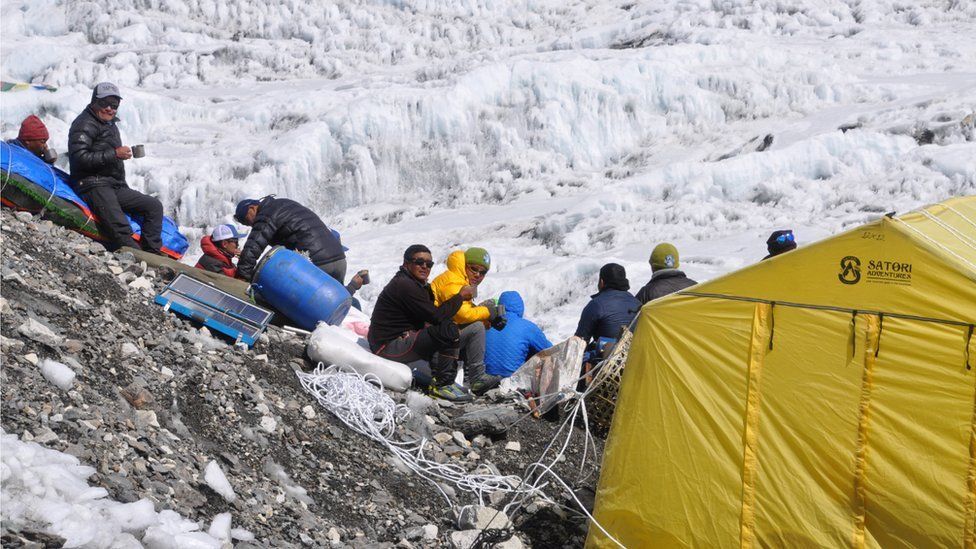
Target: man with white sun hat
219,250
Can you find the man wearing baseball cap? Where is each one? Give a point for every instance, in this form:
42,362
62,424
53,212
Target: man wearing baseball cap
33,136
96,154
665,276
284,222
219,250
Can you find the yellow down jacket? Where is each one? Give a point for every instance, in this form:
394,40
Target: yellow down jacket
449,283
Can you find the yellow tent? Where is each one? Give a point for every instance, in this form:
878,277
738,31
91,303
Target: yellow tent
822,398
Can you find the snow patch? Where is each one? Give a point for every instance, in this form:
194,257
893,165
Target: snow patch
56,373
47,490
213,475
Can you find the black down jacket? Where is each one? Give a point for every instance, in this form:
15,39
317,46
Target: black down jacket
91,151
284,222
662,283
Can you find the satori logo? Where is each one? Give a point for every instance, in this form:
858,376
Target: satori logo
850,270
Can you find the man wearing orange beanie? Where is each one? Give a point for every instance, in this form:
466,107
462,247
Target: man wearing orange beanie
33,136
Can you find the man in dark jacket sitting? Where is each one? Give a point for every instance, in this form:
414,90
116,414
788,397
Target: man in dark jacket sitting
610,308
95,154
665,276
407,327
284,222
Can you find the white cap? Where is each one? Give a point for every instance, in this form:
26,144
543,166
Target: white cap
223,232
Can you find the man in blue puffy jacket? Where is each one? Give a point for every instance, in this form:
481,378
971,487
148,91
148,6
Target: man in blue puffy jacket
510,347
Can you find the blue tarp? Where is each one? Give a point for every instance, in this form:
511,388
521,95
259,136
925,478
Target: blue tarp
15,160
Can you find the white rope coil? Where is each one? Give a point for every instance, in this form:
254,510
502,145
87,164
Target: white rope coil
360,403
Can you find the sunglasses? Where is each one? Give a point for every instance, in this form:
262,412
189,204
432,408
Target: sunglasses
784,238
479,270
422,262
108,103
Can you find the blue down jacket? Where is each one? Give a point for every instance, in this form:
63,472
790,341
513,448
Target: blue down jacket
606,313
508,348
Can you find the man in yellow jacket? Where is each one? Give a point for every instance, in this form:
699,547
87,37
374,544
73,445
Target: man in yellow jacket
463,269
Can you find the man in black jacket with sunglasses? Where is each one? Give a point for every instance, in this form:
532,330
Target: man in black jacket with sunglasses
96,155
407,327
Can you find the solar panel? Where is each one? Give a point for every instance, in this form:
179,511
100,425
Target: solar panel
215,308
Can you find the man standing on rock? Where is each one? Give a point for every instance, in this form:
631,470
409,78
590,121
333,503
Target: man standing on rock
284,222
96,153
407,327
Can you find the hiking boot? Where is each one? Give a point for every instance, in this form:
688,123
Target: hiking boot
452,393
484,383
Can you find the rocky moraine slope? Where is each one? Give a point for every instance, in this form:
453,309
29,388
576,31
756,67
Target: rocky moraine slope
155,400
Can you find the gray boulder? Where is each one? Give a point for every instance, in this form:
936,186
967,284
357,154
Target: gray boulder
491,421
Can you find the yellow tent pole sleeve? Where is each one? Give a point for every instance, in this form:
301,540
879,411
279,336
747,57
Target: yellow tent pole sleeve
758,347
869,356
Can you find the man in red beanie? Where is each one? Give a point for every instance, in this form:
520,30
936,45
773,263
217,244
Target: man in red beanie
33,136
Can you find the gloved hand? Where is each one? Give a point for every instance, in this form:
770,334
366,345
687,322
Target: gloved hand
499,323
492,308
359,279
497,319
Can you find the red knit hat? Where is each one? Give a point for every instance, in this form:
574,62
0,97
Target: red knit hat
32,128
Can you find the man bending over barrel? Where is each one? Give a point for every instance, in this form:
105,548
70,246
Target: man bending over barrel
284,222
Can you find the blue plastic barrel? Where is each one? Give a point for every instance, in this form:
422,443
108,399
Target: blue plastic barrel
298,289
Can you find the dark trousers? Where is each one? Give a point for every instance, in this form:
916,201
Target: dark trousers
337,270
111,202
437,345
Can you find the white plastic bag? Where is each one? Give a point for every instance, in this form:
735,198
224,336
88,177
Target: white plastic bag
356,322
549,372
335,345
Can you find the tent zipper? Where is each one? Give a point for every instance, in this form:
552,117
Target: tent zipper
969,343
877,346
